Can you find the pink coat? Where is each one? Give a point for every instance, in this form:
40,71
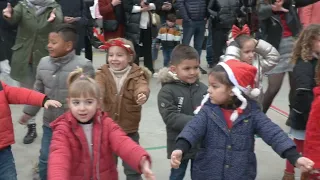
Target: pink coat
310,14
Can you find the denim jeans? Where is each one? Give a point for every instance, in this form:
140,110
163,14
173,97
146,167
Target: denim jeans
209,45
195,29
178,174
44,152
7,165
166,56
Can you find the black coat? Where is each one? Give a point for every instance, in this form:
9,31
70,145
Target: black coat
271,24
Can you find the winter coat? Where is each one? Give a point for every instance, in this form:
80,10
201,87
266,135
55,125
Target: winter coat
228,154
108,12
132,26
176,102
51,79
192,10
266,58
309,14
32,38
169,36
69,156
14,95
224,13
271,23
122,107
304,80
312,140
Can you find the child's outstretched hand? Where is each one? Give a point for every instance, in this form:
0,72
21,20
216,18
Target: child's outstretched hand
52,103
142,98
7,12
145,168
176,157
304,164
52,15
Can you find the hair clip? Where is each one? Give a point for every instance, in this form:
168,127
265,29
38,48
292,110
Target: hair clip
119,43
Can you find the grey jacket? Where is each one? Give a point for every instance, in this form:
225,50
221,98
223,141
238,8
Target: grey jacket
51,79
267,57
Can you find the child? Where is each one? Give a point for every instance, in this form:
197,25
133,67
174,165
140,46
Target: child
226,125
169,35
180,94
124,87
259,53
305,57
15,95
35,20
51,79
85,138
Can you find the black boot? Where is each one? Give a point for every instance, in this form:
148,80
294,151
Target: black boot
31,134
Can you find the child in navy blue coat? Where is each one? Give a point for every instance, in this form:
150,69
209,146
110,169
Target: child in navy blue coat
226,125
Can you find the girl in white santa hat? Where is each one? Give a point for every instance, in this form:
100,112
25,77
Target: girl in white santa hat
226,124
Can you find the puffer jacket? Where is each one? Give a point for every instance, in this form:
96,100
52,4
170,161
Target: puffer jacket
176,102
192,10
51,79
266,58
14,95
70,159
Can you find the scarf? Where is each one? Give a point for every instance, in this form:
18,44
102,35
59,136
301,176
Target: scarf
39,5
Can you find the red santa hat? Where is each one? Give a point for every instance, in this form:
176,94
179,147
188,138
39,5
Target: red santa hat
242,76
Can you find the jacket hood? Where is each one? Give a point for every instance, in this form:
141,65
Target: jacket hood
316,91
166,76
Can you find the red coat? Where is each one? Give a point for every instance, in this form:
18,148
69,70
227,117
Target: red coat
14,95
106,11
69,157
312,141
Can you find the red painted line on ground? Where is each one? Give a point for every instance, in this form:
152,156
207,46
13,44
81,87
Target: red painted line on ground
279,110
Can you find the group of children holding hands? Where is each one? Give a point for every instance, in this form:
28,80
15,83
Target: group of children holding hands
91,117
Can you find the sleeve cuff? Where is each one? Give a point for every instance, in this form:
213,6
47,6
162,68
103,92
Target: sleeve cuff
292,155
45,100
183,145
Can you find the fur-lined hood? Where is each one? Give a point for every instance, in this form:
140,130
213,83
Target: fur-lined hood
166,76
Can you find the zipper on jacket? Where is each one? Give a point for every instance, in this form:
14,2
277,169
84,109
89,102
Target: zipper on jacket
74,132
98,153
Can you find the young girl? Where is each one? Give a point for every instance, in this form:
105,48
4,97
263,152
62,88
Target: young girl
13,95
85,138
124,87
305,57
226,125
259,53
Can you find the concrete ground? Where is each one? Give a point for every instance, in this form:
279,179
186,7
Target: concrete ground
153,135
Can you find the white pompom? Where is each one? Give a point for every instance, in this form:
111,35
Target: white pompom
255,92
234,115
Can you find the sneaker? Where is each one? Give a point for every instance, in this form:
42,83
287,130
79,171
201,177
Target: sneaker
288,176
31,134
203,71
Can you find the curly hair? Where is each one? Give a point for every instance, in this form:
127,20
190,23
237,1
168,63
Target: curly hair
303,46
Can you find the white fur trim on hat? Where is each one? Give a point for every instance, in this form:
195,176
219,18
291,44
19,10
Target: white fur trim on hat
243,105
204,100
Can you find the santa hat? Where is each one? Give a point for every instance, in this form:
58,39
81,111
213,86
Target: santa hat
242,76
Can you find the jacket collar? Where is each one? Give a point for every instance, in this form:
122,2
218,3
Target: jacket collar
64,59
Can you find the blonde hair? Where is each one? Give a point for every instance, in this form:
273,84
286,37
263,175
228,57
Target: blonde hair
303,46
126,42
82,85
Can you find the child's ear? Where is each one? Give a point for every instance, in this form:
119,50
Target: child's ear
231,92
173,68
69,46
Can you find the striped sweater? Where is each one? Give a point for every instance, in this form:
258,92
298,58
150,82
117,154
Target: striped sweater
169,36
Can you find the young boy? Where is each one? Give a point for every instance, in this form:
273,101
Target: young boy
14,95
169,35
180,95
51,79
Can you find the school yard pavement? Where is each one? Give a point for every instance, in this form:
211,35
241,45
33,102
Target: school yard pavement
153,135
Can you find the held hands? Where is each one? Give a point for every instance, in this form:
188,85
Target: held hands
166,7
175,160
277,6
145,168
52,15
142,98
7,12
144,7
304,164
115,2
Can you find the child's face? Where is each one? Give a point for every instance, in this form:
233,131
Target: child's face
118,58
83,108
316,45
170,24
219,93
247,51
187,71
57,46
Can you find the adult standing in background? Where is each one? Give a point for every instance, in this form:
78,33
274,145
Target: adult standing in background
310,14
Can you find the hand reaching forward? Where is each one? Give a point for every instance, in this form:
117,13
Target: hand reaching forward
52,103
145,168
277,6
175,160
304,164
7,12
52,15
142,98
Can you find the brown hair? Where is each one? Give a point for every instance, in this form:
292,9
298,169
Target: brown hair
81,85
126,42
183,52
303,46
